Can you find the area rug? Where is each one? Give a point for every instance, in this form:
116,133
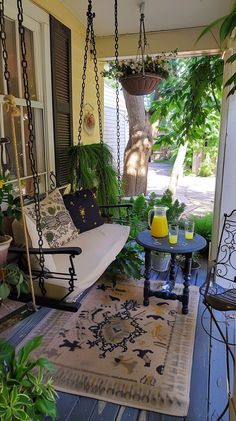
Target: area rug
117,350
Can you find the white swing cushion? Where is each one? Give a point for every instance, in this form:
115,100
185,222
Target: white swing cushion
100,247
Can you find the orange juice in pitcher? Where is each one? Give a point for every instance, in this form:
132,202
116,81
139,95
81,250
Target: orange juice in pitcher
158,224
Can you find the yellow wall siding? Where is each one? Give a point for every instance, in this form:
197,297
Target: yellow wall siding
60,12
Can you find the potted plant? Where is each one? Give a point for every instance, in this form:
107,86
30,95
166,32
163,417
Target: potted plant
9,208
25,394
12,279
139,77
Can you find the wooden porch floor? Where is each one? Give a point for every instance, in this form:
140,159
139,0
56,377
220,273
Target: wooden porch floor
208,395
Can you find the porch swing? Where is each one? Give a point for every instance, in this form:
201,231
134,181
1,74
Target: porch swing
86,255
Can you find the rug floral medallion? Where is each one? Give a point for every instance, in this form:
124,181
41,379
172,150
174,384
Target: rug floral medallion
116,349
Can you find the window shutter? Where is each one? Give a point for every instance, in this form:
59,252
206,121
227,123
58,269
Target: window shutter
62,96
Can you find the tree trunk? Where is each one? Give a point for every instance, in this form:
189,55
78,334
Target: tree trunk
177,170
138,148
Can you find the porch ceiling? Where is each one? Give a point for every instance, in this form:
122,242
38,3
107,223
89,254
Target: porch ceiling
159,14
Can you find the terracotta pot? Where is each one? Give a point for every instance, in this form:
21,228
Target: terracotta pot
5,242
140,84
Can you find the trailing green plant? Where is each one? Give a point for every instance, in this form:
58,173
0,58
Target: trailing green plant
26,392
12,279
127,262
92,166
203,225
9,205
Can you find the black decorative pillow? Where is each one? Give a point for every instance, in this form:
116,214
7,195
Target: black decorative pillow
83,209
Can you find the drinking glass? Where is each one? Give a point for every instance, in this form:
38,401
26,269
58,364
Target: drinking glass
173,233
189,230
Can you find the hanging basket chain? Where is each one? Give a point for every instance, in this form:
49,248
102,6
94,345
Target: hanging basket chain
117,101
142,43
97,82
3,42
84,72
31,143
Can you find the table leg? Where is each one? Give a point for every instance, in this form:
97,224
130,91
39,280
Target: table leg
172,271
147,274
187,279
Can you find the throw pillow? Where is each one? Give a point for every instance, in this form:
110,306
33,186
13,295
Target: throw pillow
56,224
83,209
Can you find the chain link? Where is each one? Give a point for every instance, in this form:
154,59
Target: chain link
31,143
117,101
90,39
89,14
142,43
3,42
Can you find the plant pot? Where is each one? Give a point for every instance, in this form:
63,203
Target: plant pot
160,261
5,242
140,84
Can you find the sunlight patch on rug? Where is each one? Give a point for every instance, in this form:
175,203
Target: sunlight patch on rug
117,350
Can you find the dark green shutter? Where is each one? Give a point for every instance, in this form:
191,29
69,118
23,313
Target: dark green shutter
62,96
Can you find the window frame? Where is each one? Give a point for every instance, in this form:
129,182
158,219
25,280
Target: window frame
37,20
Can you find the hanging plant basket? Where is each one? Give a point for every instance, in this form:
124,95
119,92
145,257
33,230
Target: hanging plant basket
139,84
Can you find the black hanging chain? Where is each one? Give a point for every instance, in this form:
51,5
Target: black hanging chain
31,143
90,45
117,101
142,43
89,19
95,61
90,38
3,42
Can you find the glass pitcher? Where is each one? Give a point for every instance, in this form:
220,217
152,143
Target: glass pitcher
157,221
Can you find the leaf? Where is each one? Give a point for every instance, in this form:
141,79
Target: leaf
4,290
210,27
231,59
20,414
7,353
46,407
28,348
229,23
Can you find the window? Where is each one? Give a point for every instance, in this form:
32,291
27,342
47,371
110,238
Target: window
36,24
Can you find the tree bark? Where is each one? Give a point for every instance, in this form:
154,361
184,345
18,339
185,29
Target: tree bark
138,149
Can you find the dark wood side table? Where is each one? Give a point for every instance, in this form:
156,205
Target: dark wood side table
184,247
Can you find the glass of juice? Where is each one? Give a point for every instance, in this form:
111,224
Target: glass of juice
189,230
173,233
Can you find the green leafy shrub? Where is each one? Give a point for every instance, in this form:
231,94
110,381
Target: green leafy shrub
206,169
24,393
203,225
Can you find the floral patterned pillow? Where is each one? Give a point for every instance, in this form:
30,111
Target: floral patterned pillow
56,223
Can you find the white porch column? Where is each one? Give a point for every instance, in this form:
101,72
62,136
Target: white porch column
225,195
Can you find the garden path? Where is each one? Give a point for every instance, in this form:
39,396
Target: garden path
196,192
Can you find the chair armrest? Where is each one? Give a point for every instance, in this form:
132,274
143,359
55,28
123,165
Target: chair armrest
123,205
75,251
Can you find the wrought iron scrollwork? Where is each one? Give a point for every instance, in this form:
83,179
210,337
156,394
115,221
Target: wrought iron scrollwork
226,262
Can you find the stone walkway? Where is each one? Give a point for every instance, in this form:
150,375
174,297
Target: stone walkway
196,192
